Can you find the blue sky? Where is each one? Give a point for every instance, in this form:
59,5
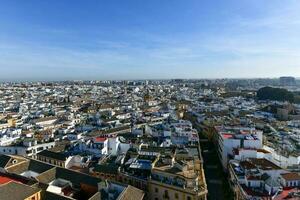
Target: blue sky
141,39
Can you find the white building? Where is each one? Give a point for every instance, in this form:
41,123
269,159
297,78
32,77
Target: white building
283,161
244,153
29,148
8,136
230,138
115,146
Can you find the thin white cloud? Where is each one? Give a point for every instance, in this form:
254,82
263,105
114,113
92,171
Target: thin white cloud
267,45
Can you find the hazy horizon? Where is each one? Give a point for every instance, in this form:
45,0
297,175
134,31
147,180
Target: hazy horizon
137,79
129,40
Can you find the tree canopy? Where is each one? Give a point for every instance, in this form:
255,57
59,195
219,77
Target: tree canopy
276,94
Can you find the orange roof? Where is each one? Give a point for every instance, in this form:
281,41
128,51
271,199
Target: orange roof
285,194
291,176
4,179
99,139
227,136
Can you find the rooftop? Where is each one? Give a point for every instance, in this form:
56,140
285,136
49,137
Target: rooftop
16,191
53,155
291,176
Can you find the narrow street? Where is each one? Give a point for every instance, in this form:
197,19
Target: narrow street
213,172
216,180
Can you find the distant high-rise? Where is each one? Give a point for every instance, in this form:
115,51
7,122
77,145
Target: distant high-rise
287,81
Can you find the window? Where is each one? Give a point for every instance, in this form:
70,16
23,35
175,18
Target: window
156,190
166,194
176,195
40,148
28,151
189,198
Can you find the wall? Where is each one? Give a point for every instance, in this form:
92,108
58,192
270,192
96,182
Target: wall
158,191
281,160
36,196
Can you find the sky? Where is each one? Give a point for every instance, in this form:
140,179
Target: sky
148,39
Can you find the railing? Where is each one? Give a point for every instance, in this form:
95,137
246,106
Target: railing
192,186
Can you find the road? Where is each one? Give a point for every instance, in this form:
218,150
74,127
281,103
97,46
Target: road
213,172
216,179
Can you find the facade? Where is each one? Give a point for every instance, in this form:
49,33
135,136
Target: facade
53,158
230,138
177,182
9,136
287,81
290,179
114,146
285,161
27,149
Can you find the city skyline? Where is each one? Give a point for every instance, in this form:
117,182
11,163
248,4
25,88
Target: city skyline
148,40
